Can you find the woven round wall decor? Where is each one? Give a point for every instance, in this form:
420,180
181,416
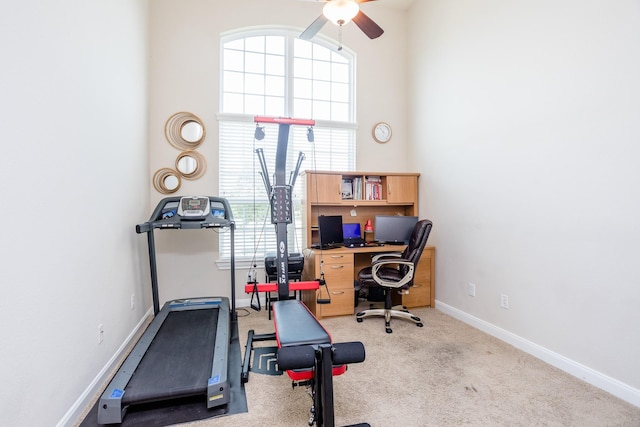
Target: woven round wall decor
191,164
185,131
166,181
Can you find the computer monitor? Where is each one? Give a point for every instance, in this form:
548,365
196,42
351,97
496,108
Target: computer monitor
351,230
393,229
330,230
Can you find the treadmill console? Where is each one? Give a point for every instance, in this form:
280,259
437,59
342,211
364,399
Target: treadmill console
189,212
194,207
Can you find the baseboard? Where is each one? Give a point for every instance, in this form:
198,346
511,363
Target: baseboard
75,412
246,302
595,378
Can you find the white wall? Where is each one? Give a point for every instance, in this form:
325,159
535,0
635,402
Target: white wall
525,125
73,94
184,76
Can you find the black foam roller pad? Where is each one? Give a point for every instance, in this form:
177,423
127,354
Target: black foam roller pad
298,357
348,352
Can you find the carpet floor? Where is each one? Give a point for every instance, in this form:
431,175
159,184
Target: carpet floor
444,374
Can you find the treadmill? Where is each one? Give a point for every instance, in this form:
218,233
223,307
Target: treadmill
184,351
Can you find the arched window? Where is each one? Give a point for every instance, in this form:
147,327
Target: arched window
271,72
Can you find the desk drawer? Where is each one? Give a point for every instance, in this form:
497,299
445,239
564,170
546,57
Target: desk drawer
419,296
341,302
339,275
336,258
339,278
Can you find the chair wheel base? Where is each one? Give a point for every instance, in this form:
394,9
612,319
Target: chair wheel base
388,314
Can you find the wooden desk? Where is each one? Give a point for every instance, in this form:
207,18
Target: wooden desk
341,267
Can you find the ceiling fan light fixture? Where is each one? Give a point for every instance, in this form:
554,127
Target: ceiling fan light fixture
340,12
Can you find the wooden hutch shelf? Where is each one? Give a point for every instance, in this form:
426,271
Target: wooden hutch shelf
358,197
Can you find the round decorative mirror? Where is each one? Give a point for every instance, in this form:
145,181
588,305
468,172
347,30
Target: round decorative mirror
166,181
187,165
171,183
191,164
192,132
185,131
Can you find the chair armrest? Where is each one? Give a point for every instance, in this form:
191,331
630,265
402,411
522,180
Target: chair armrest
388,283
386,255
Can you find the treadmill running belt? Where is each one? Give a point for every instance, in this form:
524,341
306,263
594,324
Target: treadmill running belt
178,362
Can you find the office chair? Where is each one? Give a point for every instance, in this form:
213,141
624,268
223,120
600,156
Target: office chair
394,273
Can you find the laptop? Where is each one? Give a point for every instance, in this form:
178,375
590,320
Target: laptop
352,235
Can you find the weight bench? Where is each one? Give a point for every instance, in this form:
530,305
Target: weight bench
306,353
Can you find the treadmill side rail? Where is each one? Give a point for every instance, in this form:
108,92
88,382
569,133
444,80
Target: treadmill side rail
218,388
110,410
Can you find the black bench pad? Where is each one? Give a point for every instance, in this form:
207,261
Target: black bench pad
296,325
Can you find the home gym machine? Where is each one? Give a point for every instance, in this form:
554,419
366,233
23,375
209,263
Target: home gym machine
185,349
305,350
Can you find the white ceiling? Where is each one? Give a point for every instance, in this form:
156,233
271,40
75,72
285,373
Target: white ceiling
397,4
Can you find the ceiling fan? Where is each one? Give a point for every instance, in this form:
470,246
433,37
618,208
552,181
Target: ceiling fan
340,12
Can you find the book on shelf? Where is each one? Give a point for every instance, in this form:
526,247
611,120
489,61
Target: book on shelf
347,188
357,188
373,188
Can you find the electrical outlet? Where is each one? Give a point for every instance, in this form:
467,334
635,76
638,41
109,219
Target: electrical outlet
471,289
133,301
504,301
100,333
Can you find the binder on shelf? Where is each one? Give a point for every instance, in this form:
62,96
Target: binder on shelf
357,188
347,189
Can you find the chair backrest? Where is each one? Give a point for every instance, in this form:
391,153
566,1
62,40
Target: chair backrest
417,242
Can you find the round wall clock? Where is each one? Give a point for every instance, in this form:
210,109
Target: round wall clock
381,132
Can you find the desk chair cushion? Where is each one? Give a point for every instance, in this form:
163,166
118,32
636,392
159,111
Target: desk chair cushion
386,273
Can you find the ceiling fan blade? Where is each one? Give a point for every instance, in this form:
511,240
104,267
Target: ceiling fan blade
313,29
366,24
